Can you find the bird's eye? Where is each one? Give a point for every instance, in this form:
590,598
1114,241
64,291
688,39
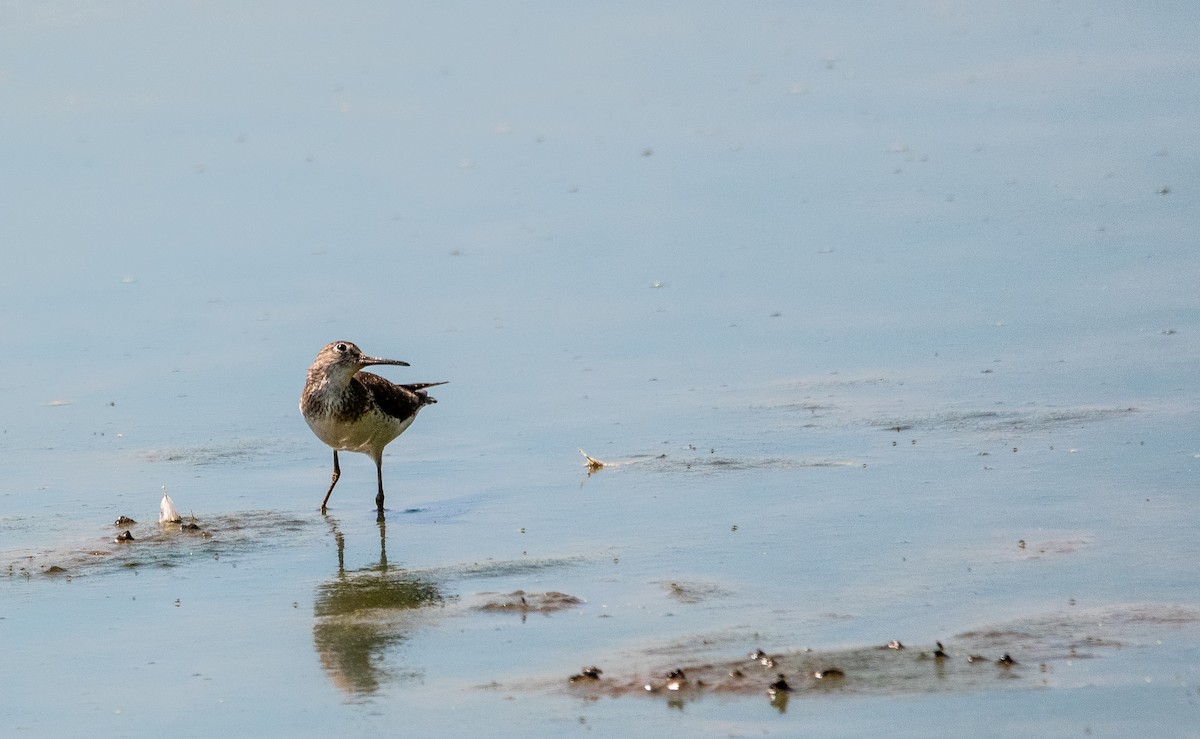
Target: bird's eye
341,348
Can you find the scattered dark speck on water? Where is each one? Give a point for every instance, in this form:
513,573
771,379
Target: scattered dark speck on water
692,592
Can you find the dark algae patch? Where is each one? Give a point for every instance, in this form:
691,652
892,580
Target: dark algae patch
522,602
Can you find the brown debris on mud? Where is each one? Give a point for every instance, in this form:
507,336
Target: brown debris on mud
863,670
1018,656
151,544
523,603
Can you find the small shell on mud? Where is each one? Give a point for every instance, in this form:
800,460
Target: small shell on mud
762,658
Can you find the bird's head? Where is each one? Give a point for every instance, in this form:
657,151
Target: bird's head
344,358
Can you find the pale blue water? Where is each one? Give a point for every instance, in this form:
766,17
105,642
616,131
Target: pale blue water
751,238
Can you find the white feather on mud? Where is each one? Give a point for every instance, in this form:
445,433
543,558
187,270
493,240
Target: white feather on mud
166,509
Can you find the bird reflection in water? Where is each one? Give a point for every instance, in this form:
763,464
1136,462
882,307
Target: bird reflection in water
361,613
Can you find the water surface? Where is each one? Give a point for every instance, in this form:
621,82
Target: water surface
883,319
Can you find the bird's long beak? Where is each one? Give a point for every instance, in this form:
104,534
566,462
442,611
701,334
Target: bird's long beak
368,361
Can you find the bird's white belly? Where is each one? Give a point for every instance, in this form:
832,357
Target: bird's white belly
367,434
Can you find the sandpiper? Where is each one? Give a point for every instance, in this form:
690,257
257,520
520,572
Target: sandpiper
355,411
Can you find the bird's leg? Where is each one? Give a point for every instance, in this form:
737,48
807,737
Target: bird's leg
382,544
379,476
337,472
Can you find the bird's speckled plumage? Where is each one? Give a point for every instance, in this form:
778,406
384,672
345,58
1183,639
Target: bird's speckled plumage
355,411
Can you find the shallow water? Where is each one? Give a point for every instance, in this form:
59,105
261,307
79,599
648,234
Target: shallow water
882,320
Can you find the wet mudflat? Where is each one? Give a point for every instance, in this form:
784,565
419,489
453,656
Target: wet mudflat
873,327
726,617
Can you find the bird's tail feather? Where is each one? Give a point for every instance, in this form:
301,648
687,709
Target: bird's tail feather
419,389
422,385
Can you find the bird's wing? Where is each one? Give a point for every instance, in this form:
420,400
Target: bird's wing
400,401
